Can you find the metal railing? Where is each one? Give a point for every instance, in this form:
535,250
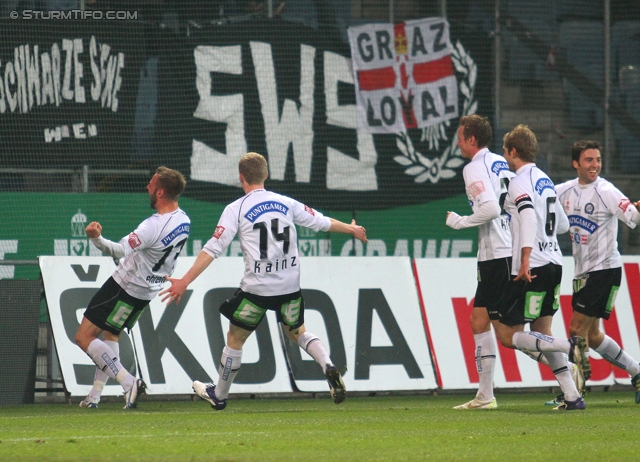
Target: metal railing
82,174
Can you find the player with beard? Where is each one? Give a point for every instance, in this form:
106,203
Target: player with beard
594,206
147,257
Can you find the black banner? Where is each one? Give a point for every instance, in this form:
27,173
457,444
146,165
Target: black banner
68,92
124,94
287,91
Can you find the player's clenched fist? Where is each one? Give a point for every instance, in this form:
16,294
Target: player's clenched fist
93,229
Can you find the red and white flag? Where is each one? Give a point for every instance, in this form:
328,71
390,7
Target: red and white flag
403,74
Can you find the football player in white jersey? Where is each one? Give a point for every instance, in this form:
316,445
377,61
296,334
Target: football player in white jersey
147,257
265,224
594,206
486,179
532,295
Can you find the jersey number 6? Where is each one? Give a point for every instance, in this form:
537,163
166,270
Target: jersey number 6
550,224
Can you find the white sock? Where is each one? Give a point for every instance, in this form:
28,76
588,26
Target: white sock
114,345
108,362
230,362
558,364
313,345
535,341
536,356
540,357
611,351
485,364
100,378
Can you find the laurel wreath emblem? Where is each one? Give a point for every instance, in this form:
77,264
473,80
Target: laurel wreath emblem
423,168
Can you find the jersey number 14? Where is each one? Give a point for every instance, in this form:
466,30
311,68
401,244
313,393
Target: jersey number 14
283,236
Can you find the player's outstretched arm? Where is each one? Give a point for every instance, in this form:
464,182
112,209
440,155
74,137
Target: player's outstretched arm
179,285
482,214
355,230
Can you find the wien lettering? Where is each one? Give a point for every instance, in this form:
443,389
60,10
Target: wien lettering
270,267
40,77
78,131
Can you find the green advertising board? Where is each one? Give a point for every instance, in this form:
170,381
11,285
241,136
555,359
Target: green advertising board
37,224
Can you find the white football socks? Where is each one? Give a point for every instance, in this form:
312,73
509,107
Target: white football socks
535,341
559,366
485,364
100,378
107,361
313,345
230,362
612,352
536,356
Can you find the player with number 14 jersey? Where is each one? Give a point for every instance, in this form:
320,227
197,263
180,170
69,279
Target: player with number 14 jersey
265,223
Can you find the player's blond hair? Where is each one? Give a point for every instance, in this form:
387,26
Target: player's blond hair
253,167
524,141
171,181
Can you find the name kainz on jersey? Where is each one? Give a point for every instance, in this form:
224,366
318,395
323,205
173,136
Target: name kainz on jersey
270,267
550,246
156,279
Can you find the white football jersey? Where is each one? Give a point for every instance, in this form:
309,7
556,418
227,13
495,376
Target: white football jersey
265,223
593,211
150,253
486,178
532,188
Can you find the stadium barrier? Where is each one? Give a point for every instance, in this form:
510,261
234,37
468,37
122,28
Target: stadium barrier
448,288
394,323
19,308
374,315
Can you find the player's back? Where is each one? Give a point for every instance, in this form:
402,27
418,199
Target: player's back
532,188
267,231
487,177
265,223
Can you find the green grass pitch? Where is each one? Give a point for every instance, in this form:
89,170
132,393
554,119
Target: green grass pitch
362,428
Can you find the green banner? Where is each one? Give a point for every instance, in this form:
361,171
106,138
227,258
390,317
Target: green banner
37,224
